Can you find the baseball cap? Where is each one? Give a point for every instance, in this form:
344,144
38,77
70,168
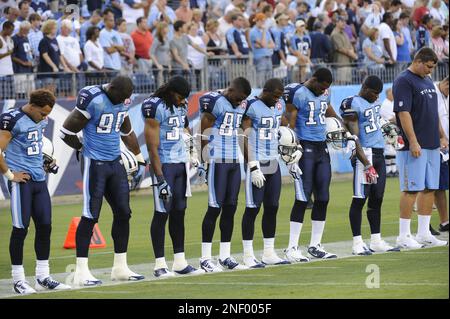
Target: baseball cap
299,23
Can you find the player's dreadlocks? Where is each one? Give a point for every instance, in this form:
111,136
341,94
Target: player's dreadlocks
176,84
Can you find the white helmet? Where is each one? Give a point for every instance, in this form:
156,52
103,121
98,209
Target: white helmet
288,144
47,150
390,131
129,161
335,133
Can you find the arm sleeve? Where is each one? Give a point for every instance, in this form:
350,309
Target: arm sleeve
403,96
150,109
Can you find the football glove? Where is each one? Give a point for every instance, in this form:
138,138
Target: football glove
137,176
295,171
399,143
164,190
371,174
202,171
296,156
257,176
50,166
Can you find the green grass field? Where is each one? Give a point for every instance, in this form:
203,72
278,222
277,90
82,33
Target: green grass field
411,274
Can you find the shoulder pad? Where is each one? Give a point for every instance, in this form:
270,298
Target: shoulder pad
289,92
86,95
9,119
149,107
208,100
346,106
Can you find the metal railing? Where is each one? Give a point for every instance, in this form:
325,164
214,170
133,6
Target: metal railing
217,74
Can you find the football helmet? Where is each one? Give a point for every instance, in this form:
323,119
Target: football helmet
47,153
336,134
288,147
129,161
390,131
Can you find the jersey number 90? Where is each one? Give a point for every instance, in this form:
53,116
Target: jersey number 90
107,123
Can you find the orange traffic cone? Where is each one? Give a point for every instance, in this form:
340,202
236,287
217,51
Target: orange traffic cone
97,240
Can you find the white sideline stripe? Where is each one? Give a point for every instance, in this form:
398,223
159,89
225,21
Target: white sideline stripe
302,283
342,249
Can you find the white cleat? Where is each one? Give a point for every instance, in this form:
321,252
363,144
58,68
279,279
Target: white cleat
125,274
163,273
272,258
209,266
23,288
85,279
50,284
380,246
189,270
231,264
251,262
294,255
361,249
408,242
319,252
430,241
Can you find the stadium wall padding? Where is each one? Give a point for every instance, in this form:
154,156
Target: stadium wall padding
69,180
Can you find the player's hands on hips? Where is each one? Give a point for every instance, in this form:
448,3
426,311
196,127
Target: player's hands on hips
257,176
295,171
164,190
21,177
370,174
415,149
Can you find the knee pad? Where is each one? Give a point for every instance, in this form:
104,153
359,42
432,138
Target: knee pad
19,233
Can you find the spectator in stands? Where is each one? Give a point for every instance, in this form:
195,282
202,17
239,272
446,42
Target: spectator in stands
35,35
112,45
300,47
280,51
320,45
344,53
115,7
262,47
7,3
11,14
50,60
270,21
438,45
395,8
94,21
24,11
184,13
127,55
373,19
235,37
232,5
132,10
93,52
160,12
160,53
437,13
420,11
195,57
69,14
70,48
423,38
302,9
373,51
225,24
332,23
197,15
403,55
40,7
6,65
387,38
212,39
23,60
143,40
404,22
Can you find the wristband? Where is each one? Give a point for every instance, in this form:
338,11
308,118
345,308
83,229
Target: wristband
9,175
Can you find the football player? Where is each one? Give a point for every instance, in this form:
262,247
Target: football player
260,123
21,135
165,115
221,115
307,105
102,114
361,115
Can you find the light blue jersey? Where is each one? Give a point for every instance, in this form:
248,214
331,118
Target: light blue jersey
370,134
263,139
223,139
310,122
101,135
171,144
24,151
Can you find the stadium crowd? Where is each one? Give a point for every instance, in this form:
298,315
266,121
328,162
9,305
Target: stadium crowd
153,39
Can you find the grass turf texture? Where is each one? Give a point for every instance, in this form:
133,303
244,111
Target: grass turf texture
412,274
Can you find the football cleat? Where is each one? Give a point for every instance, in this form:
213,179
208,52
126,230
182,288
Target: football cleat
163,273
430,241
124,274
50,284
251,262
408,242
85,279
231,264
272,259
23,288
361,249
293,254
443,228
433,231
380,246
208,266
189,270
318,252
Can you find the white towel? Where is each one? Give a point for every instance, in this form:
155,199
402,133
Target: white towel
360,166
188,181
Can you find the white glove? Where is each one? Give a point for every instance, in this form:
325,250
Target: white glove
257,176
296,156
295,171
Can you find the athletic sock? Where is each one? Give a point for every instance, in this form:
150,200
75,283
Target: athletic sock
294,233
